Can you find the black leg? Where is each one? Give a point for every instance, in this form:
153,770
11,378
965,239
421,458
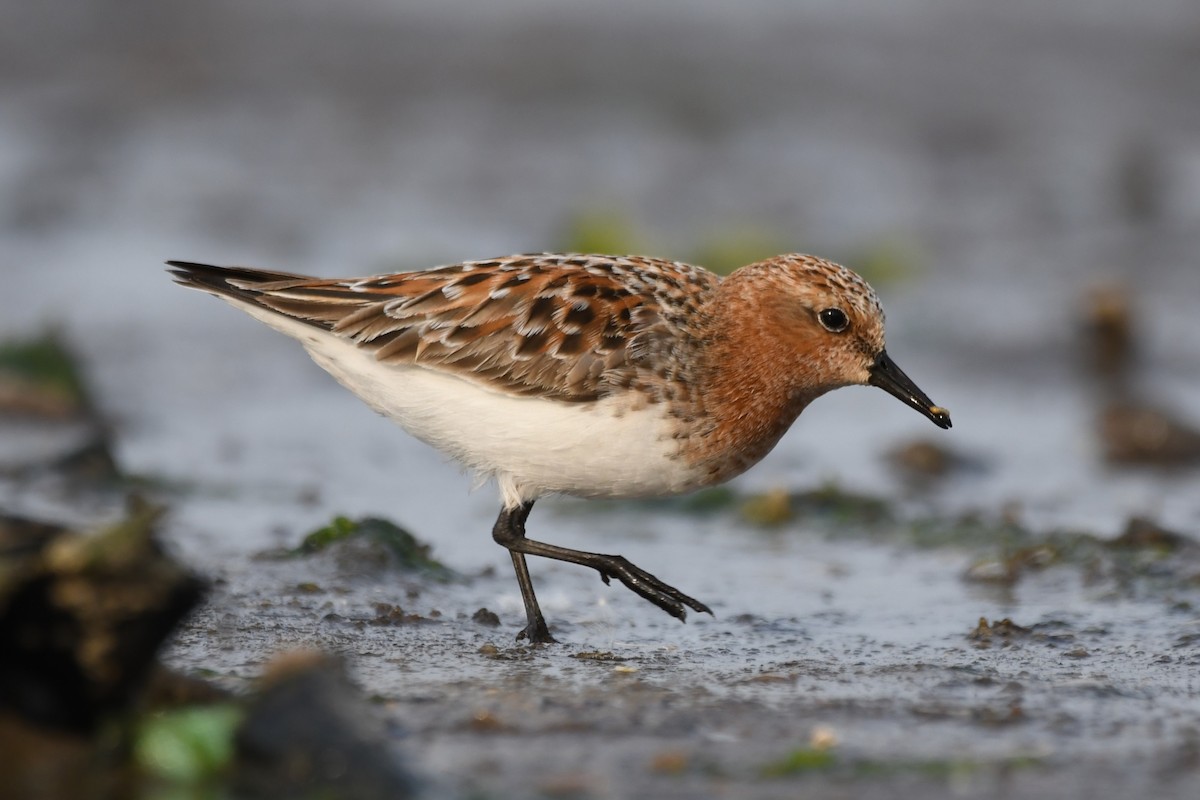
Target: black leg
509,528
509,531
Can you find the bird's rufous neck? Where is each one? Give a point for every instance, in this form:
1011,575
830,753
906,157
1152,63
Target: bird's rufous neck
756,378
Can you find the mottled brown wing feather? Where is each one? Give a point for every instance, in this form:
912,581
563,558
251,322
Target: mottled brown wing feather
569,327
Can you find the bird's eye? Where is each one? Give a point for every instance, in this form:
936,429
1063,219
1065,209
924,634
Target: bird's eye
834,320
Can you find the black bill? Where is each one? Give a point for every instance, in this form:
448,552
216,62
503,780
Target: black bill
887,376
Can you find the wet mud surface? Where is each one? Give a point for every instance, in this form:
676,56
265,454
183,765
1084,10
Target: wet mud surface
1007,609
873,643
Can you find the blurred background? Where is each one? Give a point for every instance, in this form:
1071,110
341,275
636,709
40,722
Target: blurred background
987,167
1019,180
379,132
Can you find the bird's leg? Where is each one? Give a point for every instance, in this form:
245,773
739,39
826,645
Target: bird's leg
508,531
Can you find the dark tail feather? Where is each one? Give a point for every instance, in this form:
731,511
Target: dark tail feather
311,301
234,282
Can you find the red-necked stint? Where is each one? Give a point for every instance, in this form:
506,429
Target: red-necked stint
586,375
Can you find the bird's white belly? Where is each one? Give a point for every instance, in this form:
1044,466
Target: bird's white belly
531,446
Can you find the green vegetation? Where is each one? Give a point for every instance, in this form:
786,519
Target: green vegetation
832,504
726,246
805,759
887,261
604,232
410,553
730,247
705,501
187,745
1144,557
815,759
41,376
609,232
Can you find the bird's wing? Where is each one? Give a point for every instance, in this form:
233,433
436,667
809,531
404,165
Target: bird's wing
568,327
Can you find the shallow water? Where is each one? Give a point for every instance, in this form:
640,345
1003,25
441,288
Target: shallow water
1019,164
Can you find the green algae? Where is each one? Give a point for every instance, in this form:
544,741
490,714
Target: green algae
410,553
42,378
187,746
1003,549
800,761
832,504
827,504
807,760
703,502
41,375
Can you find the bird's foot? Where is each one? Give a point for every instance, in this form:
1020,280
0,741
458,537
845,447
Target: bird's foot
663,595
536,632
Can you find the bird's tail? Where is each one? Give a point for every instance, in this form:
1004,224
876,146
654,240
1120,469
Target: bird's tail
236,283
263,293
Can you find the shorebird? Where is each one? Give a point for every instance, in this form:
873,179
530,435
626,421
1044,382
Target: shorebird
585,375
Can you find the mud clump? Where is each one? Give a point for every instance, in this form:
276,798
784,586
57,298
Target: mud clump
1145,557
1142,532
82,615
487,618
1003,631
41,377
43,390
828,504
923,462
1137,434
1133,430
372,543
1106,327
85,710
307,733
387,614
